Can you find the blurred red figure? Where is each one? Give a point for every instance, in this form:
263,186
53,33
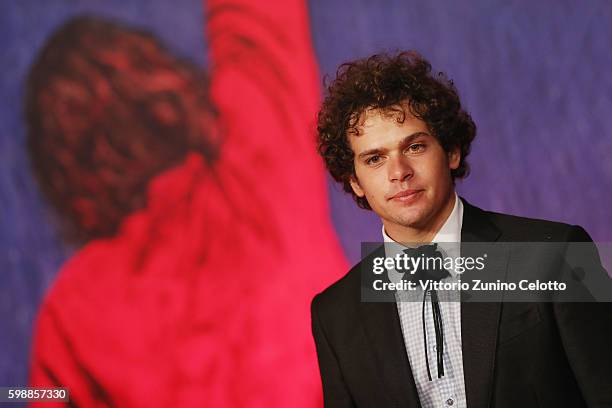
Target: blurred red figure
205,217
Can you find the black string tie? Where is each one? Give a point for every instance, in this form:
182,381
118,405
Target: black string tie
432,273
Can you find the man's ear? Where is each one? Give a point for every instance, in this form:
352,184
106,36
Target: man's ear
356,187
454,158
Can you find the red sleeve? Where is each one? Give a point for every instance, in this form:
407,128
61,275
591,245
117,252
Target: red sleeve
263,61
265,84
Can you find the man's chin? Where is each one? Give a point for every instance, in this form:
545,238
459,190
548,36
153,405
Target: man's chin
414,221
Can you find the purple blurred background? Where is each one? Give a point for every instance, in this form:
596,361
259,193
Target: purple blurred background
532,74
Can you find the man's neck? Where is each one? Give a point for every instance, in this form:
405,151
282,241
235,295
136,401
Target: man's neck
400,233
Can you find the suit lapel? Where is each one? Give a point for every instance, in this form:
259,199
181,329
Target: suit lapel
479,321
384,334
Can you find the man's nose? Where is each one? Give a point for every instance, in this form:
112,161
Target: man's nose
400,169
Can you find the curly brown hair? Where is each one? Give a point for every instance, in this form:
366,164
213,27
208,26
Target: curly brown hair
107,108
389,83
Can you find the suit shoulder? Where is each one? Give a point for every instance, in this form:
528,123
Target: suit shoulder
532,229
343,291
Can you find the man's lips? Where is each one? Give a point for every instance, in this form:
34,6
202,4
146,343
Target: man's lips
404,195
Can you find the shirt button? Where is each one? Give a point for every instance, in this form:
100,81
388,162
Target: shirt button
450,402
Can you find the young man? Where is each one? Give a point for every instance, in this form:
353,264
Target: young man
396,137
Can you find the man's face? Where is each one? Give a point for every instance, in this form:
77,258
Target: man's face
403,172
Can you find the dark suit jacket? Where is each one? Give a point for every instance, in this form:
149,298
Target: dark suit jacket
515,355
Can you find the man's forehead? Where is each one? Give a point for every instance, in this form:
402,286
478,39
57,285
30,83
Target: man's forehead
397,112
374,117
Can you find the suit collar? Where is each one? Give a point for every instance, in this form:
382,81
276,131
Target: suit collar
479,321
477,226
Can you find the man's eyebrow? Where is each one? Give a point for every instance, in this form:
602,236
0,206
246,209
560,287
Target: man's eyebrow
371,152
407,140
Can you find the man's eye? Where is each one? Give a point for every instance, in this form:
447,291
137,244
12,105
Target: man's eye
373,160
416,147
